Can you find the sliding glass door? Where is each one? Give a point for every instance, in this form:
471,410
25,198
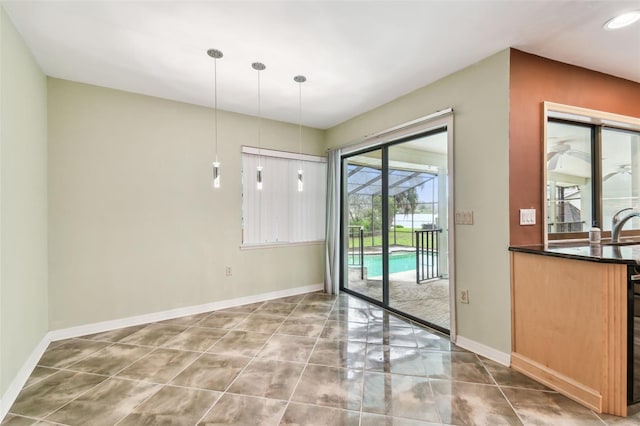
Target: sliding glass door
363,224
395,226
418,255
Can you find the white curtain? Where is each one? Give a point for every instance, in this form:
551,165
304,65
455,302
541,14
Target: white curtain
332,258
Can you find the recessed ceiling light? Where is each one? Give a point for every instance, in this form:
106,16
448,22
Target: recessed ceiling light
622,21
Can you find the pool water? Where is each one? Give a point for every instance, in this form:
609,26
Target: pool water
398,262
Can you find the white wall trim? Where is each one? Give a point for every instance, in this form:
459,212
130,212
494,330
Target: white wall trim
18,382
2,397
100,327
257,246
21,378
413,127
282,154
484,350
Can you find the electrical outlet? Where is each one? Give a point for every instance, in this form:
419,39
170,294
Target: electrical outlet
464,296
227,271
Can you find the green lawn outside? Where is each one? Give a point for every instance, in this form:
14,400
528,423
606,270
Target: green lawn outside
402,237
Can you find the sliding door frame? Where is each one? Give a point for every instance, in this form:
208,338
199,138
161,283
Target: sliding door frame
383,140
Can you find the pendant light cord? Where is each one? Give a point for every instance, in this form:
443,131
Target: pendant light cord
259,121
259,66
215,103
300,79
300,122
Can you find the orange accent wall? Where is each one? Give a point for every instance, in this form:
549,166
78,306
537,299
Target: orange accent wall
533,80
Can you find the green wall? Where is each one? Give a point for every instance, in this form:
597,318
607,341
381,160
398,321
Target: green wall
23,200
479,95
135,226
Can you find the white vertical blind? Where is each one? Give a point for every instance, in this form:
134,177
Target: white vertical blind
279,213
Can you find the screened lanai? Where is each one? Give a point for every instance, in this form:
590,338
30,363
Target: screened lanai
364,183
365,180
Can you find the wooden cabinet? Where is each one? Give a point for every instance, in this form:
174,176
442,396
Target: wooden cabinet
569,327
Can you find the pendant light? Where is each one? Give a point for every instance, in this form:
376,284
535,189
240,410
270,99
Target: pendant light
259,66
300,79
215,54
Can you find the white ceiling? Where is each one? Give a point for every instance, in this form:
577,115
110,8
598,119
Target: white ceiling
356,55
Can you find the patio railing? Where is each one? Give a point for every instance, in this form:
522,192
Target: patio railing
355,256
427,251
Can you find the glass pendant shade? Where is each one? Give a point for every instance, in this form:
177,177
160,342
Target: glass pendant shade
259,178
216,174
300,182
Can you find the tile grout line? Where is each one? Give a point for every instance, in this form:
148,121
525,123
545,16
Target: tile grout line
364,367
78,396
36,419
112,376
390,373
158,385
435,403
220,392
599,418
306,364
74,371
421,350
254,357
46,377
201,354
161,385
501,391
367,344
81,359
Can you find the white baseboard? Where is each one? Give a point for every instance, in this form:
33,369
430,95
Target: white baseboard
484,350
99,327
21,378
18,382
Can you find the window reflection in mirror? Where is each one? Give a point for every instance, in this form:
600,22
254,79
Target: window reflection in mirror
620,174
569,199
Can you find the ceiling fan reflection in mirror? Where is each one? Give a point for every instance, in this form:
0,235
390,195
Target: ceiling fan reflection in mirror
562,147
622,169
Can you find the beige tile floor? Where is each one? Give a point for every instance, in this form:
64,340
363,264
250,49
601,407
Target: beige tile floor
305,360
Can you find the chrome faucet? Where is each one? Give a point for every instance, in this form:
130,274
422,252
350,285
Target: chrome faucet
617,223
616,216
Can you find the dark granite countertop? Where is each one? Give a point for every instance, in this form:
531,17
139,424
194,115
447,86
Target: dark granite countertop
625,254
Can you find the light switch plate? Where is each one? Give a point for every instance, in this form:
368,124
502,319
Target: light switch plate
527,216
459,217
468,217
464,217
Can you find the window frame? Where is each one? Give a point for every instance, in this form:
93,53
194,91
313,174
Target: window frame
596,120
282,155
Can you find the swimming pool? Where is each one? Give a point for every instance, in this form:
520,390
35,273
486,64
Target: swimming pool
398,262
